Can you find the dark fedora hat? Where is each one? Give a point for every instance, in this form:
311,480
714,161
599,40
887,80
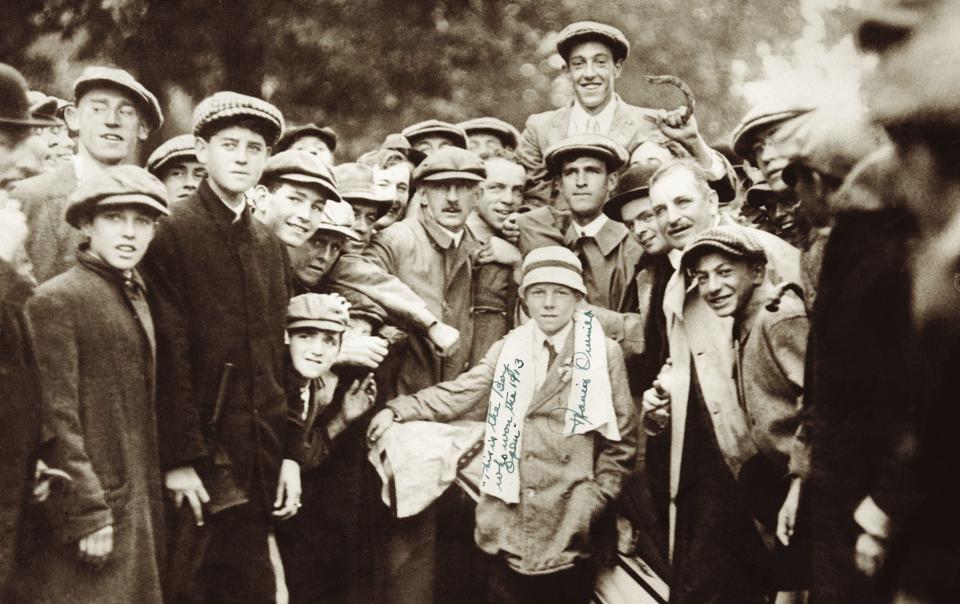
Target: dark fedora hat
14,103
634,184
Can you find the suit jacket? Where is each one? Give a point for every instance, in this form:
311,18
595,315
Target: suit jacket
225,287
547,128
52,242
610,262
19,413
566,481
95,358
703,342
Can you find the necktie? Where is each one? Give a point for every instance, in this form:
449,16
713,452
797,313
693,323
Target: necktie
585,248
551,353
593,126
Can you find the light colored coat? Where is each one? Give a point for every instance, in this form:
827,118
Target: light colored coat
566,481
52,242
695,333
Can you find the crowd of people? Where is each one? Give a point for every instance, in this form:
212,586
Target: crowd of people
484,365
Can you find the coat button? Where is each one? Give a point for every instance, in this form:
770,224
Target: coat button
528,456
566,459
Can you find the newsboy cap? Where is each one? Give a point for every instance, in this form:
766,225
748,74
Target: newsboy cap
181,147
583,31
97,75
634,183
592,145
759,118
552,264
319,311
221,109
731,240
400,143
356,182
337,217
122,185
301,167
454,133
451,163
507,134
324,133
14,102
44,107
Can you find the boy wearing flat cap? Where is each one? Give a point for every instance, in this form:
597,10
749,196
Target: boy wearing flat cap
317,544
113,114
229,435
593,55
770,341
560,436
369,203
95,347
175,163
490,137
432,135
311,138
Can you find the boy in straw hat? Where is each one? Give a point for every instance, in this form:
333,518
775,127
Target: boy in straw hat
95,349
560,435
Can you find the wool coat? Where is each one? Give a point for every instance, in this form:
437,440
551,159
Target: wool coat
19,414
94,343
566,481
52,242
225,284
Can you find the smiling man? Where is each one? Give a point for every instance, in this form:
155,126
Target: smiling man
113,113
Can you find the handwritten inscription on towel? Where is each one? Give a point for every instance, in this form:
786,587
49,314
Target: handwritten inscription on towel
503,440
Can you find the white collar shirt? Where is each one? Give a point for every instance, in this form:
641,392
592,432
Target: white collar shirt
582,122
541,357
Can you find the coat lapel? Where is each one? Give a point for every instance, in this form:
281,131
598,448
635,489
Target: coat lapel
552,384
623,127
560,125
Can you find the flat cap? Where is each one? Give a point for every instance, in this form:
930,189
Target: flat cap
180,147
222,108
324,133
97,75
593,145
45,107
454,133
337,217
301,167
401,143
634,183
14,101
356,181
507,134
451,163
328,312
917,81
732,240
830,140
552,264
117,185
583,31
759,118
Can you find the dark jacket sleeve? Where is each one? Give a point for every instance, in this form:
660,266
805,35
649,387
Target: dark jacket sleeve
57,360
179,421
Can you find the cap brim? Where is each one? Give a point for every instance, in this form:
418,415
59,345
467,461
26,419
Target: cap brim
188,155
383,204
147,104
346,232
333,326
549,274
309,180
457,138
32,122
744,140
77,211
452,175
702,247
615,204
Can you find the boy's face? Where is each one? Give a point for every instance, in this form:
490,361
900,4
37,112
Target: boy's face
314,259
234,158
450,201
484,144
551,305
502,192
683,209
726,283
182,179
293,211
593,72
109,123
313,351
365,216
120,235
315,146
585,184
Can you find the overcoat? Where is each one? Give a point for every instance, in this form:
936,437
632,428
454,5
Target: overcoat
95,357
225,285
52,242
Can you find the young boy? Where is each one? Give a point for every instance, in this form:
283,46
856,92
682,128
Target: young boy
770,340
560,436
229,436
94,342
318,545
175,163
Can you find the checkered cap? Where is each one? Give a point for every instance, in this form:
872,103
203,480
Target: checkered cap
733,240
228,105
180,147
117,185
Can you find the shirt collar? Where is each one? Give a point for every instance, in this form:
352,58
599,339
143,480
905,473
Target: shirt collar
592,228
85,166
579,117
557,340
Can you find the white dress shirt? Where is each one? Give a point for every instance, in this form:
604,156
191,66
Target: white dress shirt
541,357
582,122
592,228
